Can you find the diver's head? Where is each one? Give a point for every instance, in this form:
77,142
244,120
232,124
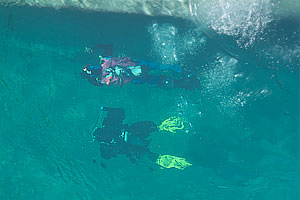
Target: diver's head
85,72
92,70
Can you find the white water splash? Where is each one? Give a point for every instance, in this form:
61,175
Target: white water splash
164,42
171,47
220,74
244,20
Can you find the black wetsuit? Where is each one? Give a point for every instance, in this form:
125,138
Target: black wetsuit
118,138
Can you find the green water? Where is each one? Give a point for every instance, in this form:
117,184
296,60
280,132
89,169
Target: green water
241,135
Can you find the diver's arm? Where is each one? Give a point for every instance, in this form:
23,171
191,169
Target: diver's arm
95,81
115,110
114,118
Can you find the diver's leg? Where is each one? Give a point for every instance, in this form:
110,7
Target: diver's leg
147,79
107,151
154,65
150,65
175,68
142,129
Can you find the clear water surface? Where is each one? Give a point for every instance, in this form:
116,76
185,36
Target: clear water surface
242,130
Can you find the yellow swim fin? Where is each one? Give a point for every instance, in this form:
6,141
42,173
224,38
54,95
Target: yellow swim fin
171,124
168,161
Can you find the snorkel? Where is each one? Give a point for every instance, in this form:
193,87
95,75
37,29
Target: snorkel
100,59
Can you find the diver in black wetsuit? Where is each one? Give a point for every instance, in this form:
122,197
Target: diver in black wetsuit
118,138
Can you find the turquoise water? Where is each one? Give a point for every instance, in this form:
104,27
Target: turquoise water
242,130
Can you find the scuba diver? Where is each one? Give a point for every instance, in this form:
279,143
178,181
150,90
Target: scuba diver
118,138
120,71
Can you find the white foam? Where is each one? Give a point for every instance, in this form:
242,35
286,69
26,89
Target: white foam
170,47
243,20
176,8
